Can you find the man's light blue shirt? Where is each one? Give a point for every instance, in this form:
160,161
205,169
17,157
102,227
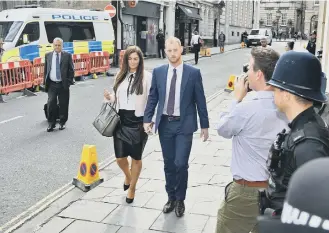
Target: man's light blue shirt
253,125
53,76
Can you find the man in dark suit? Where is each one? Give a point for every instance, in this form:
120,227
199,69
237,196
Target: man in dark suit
177,89
58,76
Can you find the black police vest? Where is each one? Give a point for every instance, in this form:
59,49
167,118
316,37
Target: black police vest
315,131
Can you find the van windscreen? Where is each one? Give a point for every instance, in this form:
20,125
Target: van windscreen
70,31
254,32
9,30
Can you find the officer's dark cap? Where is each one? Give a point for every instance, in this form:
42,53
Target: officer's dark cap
306,208
299,73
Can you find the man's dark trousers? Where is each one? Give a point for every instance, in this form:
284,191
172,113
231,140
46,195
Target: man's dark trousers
161,51
56,90
176,148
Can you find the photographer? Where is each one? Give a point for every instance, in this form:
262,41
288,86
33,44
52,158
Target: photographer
252,124
297,85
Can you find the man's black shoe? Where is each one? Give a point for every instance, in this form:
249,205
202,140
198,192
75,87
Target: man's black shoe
180,208
62,127
51,127
169,206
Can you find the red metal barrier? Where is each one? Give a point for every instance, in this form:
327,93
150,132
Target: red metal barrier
15,76
99,62
38,69
81,64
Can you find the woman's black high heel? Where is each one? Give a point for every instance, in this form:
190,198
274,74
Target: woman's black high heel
129,200
125,187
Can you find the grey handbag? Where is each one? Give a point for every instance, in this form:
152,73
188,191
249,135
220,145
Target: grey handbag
107,120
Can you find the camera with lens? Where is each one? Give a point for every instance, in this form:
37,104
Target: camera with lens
245,69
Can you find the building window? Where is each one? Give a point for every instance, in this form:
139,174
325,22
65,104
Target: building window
232,33
269,19
284,19
316,3
238,34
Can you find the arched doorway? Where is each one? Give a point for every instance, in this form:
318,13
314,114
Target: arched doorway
314,23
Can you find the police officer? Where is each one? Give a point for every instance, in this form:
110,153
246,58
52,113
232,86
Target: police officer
297,86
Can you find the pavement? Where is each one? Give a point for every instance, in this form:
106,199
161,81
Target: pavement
37,164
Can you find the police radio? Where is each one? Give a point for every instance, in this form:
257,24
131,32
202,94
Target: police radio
274,158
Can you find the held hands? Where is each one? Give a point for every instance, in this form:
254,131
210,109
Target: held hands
241,87
148,127
204,134
107,94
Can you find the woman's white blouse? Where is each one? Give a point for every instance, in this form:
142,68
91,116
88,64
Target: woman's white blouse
127,102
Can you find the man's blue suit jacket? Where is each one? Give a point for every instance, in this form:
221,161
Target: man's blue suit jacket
192,98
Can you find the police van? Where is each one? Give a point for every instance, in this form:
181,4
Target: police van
28,31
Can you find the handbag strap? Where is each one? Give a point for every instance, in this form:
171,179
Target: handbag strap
114,105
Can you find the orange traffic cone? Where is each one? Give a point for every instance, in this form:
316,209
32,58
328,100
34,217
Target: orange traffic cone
230,84
88,174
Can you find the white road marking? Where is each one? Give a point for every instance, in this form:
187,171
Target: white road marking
11,119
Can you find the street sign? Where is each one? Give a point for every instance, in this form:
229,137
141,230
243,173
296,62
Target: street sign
111,10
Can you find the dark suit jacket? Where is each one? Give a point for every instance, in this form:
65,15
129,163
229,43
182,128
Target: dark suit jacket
67,69
192,97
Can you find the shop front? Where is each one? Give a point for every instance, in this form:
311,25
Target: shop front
140,27
186,22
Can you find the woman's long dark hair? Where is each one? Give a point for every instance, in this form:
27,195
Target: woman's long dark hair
137,85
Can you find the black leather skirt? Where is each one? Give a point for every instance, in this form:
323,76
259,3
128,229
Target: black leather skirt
129,138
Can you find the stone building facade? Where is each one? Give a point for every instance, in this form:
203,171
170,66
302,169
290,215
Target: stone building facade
295,16
240,16
290,19
311,16
323,37
178,18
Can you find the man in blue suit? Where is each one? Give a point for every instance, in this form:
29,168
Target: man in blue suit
178,91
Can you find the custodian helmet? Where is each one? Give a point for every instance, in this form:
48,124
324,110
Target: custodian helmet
299,73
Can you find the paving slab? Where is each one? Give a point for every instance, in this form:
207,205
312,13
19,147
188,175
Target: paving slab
119,197
98,194
55,225
189,223
117,182
210,225
83,226
133,217
135,230
88,210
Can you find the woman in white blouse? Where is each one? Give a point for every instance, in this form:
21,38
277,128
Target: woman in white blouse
130,92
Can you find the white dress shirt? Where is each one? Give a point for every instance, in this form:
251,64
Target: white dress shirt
253,125
53,67
195,39
127,102
179,73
